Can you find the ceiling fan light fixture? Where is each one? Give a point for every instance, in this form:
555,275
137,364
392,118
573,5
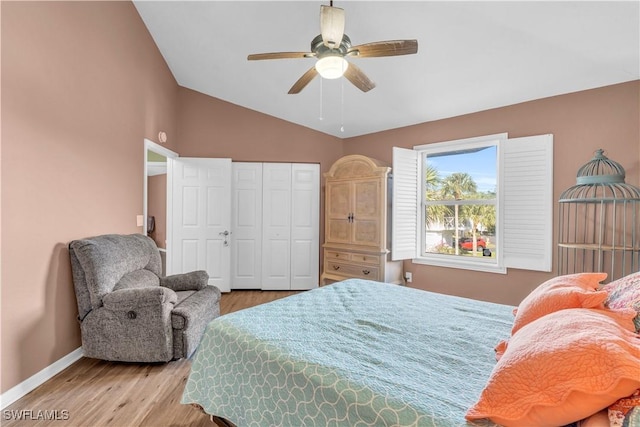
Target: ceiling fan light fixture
331,66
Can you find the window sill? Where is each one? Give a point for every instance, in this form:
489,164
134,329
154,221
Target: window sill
463,264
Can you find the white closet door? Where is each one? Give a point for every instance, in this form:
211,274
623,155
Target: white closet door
246,226
201,218
276,232
305,226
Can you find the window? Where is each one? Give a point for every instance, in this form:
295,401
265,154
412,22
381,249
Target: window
481,203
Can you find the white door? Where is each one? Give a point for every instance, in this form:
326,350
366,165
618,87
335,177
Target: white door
305,226
201,219
276,223
246,226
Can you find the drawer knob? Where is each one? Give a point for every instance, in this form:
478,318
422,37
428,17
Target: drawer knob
366,272
336,267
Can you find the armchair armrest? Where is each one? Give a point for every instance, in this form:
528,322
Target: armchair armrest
129,299
192,281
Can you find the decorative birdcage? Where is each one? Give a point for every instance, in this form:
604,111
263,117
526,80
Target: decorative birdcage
599,221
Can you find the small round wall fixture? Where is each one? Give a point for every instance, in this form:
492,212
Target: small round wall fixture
162,137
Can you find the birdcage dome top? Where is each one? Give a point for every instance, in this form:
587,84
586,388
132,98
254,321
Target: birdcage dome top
600,170
601,178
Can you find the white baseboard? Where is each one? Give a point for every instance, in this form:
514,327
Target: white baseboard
20,390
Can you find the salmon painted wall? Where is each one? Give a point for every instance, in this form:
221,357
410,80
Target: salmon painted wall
210,127
83,84
581,122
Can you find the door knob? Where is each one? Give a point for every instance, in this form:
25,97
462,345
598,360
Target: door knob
225,233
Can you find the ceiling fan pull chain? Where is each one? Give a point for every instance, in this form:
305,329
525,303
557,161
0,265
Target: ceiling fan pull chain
321,112
342,105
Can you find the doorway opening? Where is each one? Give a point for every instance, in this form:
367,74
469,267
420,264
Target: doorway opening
157,196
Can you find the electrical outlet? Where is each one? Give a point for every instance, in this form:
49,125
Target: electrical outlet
139,220
408,276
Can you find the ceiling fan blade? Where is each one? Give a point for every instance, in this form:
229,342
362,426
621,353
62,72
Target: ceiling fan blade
331,26
359,79
385,48
303,81
280,55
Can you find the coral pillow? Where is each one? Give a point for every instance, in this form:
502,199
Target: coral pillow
625,293
570,291
562,368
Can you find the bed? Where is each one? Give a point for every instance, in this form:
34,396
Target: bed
355,353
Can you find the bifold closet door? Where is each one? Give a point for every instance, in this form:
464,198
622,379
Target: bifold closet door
291,225
305,226
246,225
276,226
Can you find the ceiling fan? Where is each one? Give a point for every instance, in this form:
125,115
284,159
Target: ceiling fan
332,46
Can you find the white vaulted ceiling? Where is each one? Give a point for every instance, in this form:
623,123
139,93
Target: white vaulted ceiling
472,56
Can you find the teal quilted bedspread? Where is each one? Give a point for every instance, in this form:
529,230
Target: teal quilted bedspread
355,353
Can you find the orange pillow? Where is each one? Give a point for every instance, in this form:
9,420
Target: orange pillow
570,291
562,368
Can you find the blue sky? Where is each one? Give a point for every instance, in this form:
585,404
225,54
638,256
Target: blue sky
481,165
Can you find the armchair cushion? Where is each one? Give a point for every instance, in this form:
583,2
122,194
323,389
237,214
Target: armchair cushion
130,299
138,279
192,281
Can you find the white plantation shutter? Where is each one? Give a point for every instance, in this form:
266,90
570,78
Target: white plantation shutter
527,202
404,208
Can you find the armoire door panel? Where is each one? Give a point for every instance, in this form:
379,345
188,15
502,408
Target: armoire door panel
338,199
338,231
366,233
367,199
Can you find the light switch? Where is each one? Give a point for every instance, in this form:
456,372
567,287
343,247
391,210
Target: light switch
140,220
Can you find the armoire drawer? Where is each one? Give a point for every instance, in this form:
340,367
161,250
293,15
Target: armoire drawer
336,255
365,259
352,270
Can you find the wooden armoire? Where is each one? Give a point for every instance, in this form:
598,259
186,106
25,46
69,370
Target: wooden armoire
357,222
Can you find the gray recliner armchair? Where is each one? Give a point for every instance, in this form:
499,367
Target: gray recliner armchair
127,311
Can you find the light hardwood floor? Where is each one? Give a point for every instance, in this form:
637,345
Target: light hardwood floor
97,393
